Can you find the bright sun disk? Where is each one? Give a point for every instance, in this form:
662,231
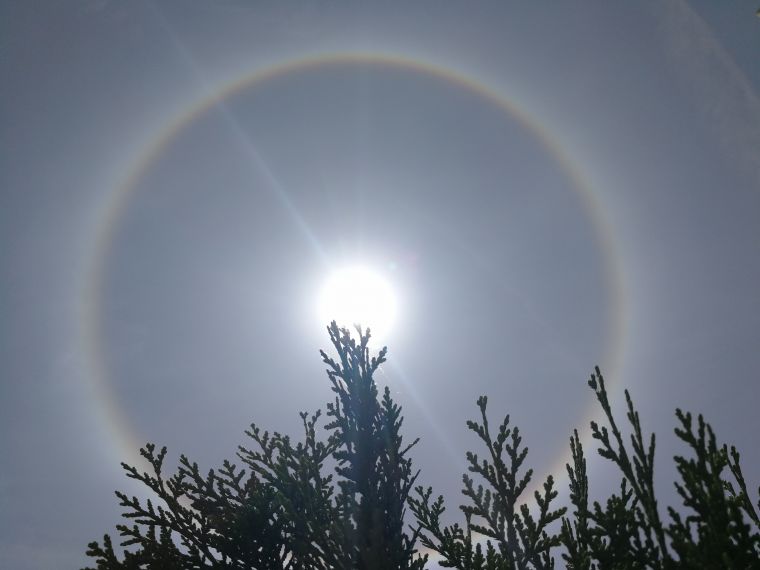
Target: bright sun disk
358,295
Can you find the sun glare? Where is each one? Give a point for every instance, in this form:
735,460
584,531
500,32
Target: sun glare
358,295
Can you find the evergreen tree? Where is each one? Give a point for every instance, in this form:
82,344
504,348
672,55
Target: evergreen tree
338,500
721,528
286,510
720,531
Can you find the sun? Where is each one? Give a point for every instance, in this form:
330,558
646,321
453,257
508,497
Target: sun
358,295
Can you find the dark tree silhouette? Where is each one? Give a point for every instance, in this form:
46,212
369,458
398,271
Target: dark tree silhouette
721,529
285,510
338,500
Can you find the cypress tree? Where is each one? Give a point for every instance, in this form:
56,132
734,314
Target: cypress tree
337,498
286,510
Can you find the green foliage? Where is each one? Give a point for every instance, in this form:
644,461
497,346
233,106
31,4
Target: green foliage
721,530
337,498
522,539
375,470
720,515
285,511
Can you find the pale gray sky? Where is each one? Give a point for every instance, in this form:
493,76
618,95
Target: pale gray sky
547,188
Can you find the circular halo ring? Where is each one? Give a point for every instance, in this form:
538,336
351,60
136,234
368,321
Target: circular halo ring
116,201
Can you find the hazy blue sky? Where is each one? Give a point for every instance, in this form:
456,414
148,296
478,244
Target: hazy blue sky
547,187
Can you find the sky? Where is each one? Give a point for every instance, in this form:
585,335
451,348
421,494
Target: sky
545,188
